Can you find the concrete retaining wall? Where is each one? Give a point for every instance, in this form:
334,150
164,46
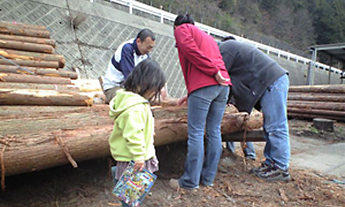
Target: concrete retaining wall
89,46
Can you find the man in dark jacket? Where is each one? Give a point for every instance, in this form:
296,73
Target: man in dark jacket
258,81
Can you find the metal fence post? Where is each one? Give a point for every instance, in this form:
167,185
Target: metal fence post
130,7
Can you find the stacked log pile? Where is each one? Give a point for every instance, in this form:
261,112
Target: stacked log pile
317,101
39,137
28,64
47,134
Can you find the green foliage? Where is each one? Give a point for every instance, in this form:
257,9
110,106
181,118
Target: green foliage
226,23
300,23
314,130
228,5
329,21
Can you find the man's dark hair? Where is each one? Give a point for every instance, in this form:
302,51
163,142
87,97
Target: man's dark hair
228,38
144,33
183,19
147,75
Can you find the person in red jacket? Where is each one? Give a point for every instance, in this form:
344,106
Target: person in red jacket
207,82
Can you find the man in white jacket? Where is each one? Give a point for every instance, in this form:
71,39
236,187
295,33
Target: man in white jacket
127,56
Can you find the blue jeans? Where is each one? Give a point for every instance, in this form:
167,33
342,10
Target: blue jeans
249,151
205,109
276,130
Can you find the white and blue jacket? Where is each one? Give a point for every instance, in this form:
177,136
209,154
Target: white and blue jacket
126,57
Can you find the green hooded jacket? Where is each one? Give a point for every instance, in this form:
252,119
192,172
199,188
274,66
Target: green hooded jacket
132,136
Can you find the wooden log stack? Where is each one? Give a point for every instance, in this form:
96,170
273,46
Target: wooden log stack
39,137
317,101
46,134
28,64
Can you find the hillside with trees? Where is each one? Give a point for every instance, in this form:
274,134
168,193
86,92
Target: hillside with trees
292,25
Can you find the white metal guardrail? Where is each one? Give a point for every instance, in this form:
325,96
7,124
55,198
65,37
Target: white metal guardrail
163,15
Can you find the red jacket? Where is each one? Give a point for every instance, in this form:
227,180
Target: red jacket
199,56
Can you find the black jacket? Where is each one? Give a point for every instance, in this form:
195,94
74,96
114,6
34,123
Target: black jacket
251,72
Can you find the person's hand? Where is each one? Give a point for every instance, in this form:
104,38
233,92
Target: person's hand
138,165
220,79
182,100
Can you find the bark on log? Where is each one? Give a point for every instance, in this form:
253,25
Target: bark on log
32,63
324,101
336,88
36,40
173,111
332,97
16,45
15,30
22,25
166,129
38,71
19,78
42,98
307,105
31,134
59,87
25,55
337,115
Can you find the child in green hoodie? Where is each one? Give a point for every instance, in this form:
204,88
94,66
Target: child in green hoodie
132,136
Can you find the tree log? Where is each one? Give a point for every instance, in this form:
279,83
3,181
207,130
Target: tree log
61,88
306,105
42,98
298,112
33,47
20,78
38,71
15,30
36,40
332,97
32,63
30,134
21,25
336,88
25,55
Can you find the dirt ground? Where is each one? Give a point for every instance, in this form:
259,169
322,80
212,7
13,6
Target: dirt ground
90,184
